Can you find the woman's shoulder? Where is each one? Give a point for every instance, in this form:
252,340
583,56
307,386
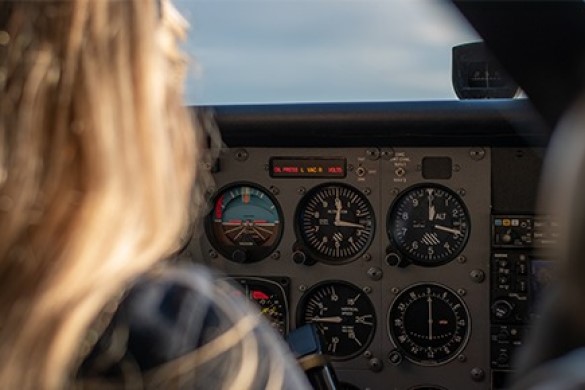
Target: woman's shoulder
186,323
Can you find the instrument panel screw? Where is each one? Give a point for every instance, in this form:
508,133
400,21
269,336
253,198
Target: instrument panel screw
395,290
461,192
461,292
241,155
375,365
457,168
350,167
266,167
477,154
367,257
302,288
477,374
373,154
461,259
301,190
212,254
477,275
367,191
274,190
462,358
395,191
275,255
387,154
367,354
375,273
367,289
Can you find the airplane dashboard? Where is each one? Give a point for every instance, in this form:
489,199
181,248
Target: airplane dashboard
404,231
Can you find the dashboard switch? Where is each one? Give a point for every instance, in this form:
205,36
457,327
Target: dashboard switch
502,309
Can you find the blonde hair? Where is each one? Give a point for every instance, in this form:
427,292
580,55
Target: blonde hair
97,158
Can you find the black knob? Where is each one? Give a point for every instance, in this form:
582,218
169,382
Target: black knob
504,335
299,257
239,256
503,358
395,357
393,259
502,309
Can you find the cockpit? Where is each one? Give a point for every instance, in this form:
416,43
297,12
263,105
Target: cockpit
401,221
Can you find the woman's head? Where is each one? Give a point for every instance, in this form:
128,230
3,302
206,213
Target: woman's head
97,157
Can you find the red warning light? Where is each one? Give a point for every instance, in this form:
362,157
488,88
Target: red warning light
258,295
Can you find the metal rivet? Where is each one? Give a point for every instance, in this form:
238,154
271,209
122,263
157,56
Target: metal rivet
461,259
367,191
301,190
367,257
462,192
367,354
367,289
395,191
302,287
395,290
212,254
462,358
275,255
457,168
274,190
461,292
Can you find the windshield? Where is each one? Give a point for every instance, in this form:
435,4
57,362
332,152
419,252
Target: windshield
275,51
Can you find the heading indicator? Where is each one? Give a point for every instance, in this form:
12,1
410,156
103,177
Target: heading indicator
318,167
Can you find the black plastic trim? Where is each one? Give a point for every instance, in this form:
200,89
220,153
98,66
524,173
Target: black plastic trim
422,123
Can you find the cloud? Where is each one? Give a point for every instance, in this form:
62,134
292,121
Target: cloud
320,50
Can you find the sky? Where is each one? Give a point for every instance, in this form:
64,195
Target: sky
276,51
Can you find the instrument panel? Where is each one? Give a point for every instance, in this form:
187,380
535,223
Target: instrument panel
386,251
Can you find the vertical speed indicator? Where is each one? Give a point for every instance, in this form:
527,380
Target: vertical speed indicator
343,314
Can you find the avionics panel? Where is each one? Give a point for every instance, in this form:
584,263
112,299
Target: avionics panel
389,255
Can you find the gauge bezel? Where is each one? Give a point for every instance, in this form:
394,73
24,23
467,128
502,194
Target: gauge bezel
254,254
301,236
400,247
301,306
406,354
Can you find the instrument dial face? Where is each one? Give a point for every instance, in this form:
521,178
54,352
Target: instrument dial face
335,222
271,299
343,314
428,224
245,218
429,323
